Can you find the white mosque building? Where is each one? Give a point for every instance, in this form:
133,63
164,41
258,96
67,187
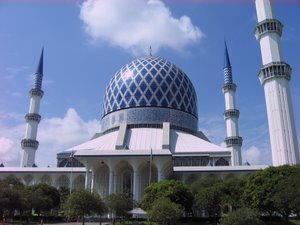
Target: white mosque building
150,125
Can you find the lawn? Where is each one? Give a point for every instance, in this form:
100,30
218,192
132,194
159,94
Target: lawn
292,222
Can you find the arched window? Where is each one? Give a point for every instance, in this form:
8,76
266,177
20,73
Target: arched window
222,162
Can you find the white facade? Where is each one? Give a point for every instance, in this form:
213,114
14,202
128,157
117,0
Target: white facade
275,76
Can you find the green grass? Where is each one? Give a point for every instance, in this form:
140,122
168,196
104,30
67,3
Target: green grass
295,222
291,222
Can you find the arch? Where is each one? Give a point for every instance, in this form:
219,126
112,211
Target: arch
124,177
46,179
101,180
145,174
63,181
222,162
79,182
28,180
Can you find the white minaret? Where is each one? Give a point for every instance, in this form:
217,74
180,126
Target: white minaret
233,140
274,76
29,143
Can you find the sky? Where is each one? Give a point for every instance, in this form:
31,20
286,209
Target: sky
86,42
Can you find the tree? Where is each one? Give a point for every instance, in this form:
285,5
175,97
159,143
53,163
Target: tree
199,184
175,191
261,187
209,196
232,191
43,197
287,195
82,203
12,181
64,193
119,204
165,211
11,195
210,199
242,216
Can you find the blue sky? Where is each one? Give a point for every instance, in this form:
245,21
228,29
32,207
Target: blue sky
85,47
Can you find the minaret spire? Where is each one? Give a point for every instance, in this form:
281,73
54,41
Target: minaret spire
227,67
39,72
274,76
231,115
226,57
29,143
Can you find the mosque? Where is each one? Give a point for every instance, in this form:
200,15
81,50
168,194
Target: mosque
150,125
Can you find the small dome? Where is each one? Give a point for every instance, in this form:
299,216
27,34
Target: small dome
150,82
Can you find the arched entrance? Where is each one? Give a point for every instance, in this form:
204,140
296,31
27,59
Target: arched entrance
101,182
147,177
124,177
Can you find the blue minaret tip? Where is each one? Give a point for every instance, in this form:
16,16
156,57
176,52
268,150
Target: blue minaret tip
39,69
227,67
39,73
226,58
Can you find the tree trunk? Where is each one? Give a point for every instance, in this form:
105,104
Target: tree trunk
270,217
215,220
82,220
286,219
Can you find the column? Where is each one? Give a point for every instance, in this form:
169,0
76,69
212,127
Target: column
111,181
135,185
87,178
93,181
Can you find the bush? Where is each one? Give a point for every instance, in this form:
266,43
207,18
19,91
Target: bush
243,216
165,211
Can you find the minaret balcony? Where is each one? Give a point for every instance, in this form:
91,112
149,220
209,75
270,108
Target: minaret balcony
29,143
228,87
231,113
268,26
275,70
233,141
36,92
33,117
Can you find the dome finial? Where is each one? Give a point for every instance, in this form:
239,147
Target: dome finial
150,50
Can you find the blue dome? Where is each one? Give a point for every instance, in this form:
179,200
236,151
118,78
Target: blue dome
150,81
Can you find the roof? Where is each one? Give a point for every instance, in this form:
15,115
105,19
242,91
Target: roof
104,142
182,142
209,169
141,141
42,170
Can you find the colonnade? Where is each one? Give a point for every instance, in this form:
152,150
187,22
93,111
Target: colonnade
107,176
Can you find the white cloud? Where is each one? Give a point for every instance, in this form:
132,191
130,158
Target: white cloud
16,69
214,127
255,148
136,24
5,149
252,155
54,135
10,138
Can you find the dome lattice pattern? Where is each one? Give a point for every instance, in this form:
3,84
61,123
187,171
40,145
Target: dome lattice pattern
150,82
